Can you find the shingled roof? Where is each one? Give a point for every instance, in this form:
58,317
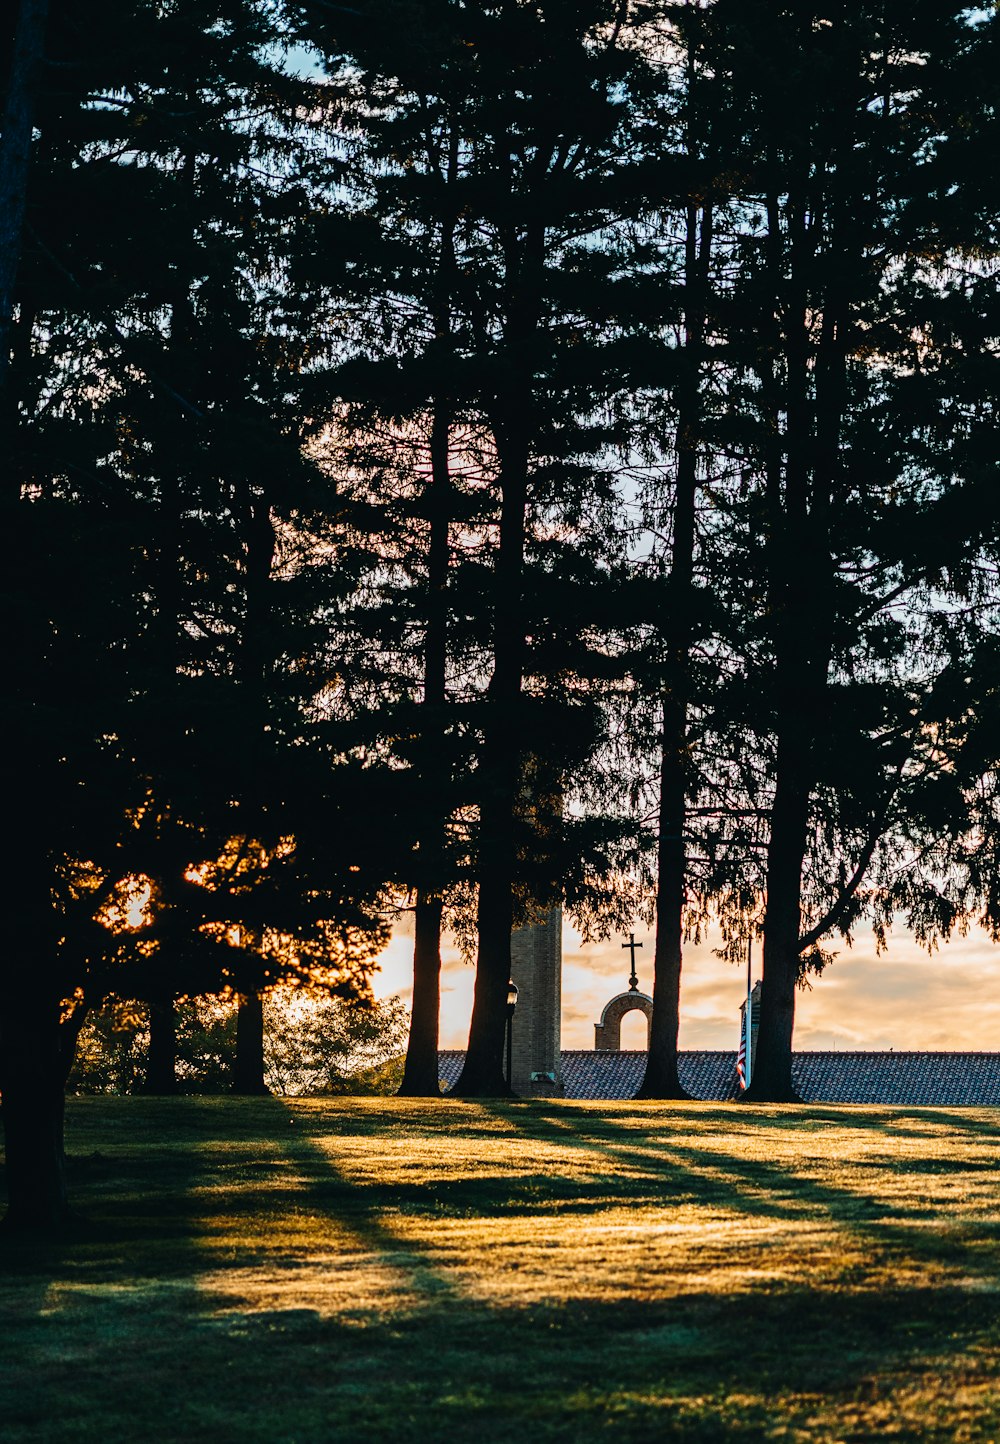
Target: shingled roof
908,1079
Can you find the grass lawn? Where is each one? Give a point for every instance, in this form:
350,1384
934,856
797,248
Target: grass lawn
372,1269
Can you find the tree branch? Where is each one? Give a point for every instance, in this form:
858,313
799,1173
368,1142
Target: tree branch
836,912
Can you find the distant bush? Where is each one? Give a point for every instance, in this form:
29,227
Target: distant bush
321,1045
314,1045
113,1046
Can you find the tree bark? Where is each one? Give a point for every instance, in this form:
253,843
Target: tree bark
32,1076
483,1073
800,565
33,1110
771,1079
789,607
501,759
15,158
32,1060
421,1075
421,1078
260,542
32,1080
161,1065
661,1079
248,1081
800,607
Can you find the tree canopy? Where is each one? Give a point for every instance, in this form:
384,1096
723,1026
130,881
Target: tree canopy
466,457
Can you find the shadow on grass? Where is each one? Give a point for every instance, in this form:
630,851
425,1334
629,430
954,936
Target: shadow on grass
758,1187
130,1189
361,1208
794,1360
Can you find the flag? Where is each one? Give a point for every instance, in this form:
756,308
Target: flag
744,1062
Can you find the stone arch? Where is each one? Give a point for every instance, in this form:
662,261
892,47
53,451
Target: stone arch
608,1032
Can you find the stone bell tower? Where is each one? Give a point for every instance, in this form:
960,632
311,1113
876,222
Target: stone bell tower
536,968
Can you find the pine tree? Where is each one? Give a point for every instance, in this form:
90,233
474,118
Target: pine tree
150,684
677,626
847,110
485,203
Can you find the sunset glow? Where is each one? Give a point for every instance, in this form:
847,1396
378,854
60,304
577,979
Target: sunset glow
905,999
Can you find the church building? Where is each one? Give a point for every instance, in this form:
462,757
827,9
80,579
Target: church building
541,1068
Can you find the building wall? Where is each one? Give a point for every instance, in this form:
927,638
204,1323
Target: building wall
536,968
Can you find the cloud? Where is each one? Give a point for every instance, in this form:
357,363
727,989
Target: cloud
907,998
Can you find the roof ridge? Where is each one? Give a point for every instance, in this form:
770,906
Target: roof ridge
798,1053
879,1077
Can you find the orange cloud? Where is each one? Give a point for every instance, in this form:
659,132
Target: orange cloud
904,999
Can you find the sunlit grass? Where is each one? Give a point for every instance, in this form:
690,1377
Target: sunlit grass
380,1270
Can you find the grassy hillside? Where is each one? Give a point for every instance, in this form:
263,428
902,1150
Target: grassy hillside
370,1269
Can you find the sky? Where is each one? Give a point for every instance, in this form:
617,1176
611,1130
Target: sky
904,999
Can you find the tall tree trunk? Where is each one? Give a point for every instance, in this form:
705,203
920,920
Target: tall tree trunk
799,609
421,1078
771,1079
483,1072
161,1063
661,1078
421,1075
15,157
501,760
31,1077
32,1064
248,1070
168,741
248,1079
802,605
482,1075
32,1061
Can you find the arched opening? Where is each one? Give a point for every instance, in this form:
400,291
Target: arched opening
607,1033
635,1031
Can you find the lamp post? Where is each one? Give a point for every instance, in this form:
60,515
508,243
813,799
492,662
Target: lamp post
511,1005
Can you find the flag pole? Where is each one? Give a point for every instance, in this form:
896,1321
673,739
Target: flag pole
748,1065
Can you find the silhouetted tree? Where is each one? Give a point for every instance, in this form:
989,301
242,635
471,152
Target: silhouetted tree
832,293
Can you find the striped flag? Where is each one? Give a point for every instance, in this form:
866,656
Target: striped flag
744,1062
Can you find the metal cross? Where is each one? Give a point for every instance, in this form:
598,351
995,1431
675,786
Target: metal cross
633,981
